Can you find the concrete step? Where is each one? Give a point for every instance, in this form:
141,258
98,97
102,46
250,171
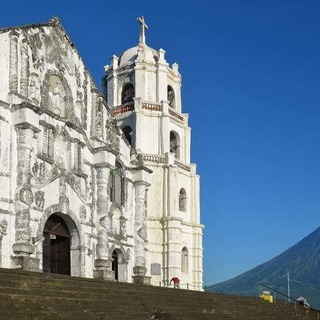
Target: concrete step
38,296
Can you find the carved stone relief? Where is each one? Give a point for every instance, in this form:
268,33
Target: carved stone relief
13,71
56,94
34,88
59,52
99,118
79,185
59,158
24,70
26,195
102,261
123,226
3,228
140,226
39,199
142,232
43,173
83,212
112,133
36,42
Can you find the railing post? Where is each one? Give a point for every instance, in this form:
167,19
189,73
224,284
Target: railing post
187,286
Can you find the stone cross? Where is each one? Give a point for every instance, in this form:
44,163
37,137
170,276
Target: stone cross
143,27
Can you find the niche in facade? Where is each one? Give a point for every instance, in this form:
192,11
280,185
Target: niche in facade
175,144
182,200
116,185
171,97
57,96
184,260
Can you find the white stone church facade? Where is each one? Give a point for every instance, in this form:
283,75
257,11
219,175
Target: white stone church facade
95,184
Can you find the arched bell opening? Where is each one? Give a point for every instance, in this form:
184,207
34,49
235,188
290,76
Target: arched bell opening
175,144
127,131
127,93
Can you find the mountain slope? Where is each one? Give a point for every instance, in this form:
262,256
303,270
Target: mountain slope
303,262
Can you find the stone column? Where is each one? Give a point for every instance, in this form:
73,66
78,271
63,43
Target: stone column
24,69
140,234
13,70
97,123
22,247
102,262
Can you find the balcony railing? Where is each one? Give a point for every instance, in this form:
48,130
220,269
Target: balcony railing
123,109
162,159
182,165
176,115
146,106
151,106
154,158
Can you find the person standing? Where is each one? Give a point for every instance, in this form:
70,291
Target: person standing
176,282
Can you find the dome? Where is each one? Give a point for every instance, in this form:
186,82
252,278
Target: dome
129,56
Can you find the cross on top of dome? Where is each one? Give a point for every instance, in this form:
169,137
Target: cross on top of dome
143,27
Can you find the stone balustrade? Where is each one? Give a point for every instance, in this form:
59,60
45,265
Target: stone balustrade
151,106
162,159
122,109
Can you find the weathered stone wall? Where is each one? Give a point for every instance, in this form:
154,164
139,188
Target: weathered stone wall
58,145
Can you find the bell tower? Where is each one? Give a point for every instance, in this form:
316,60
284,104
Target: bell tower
144,93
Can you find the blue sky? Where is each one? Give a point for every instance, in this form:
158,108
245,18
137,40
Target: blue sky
251,77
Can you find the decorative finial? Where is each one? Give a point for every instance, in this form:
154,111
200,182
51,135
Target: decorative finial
55,21
143,27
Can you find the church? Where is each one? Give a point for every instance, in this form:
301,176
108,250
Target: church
95,183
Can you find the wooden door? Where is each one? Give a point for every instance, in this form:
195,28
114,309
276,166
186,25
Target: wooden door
115,264
56,246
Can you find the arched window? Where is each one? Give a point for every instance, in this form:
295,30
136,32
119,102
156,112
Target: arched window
175,144
128,133
182,200
184,260
171,97
116,185
127,94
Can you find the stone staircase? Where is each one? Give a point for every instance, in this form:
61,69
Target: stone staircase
38,296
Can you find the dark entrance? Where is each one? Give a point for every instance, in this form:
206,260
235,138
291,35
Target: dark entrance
115,264
56,246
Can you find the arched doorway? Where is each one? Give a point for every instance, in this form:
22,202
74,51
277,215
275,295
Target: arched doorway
115,266
119,264
56,246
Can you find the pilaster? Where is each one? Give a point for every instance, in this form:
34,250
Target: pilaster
24,198
13,69
24,69
172,253
140,229
162,76
102,262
